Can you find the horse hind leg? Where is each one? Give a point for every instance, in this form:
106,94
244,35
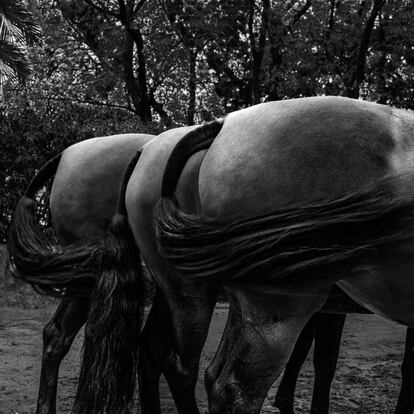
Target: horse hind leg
271,324
328,333
154,351
284,399
58,336
190,321
405,404
227,341
248,373
164,349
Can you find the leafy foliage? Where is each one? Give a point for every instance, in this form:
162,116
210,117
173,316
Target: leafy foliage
141,65
17,29
33,130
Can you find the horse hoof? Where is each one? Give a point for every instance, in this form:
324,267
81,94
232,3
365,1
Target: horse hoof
283,406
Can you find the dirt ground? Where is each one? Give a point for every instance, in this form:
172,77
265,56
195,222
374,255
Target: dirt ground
367,380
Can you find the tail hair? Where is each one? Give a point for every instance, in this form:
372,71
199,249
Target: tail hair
108,374
36,257
289,244
107,380
196,140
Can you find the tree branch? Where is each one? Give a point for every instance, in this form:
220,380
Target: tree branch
301,12
104,11
159,108
264,26
365,39
331,20
139,6
357,65
250,26
258,49
123,17
216,63
87,101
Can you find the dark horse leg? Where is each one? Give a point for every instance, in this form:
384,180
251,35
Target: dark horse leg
161,352
157,355
261,349
328,332
405,403
227,341
155,347
191,320
58,336
285,395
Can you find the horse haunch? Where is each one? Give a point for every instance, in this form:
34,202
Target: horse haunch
293,197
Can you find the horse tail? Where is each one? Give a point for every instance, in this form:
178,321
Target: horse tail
286,246
196,140
32,252
108,373
38,258
167,207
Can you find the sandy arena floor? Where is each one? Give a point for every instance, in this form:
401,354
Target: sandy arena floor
367,379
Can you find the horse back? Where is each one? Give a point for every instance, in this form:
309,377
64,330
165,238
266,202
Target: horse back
290,152
85,188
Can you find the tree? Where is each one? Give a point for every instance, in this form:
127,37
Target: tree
114,35
17,29
105,66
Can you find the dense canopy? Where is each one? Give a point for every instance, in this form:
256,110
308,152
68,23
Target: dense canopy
116,66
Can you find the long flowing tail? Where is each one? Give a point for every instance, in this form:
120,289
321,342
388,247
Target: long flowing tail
287,245
108,374
196,140
37,258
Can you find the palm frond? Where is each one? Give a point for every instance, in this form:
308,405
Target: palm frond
13,62
18,22
17,29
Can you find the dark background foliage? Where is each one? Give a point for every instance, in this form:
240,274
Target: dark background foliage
104,67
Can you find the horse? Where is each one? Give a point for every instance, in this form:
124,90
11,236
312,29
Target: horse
317,191
71,272
205,174
68,272
78,219
325,329
83,197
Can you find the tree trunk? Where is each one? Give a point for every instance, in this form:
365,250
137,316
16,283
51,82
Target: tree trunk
358,74
145,107
140,107
192,82
382,82
258,49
